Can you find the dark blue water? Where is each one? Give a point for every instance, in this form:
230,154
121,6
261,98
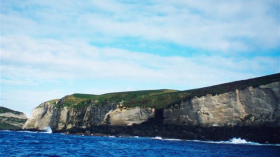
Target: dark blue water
42,144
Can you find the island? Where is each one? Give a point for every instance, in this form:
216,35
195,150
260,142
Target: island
247,109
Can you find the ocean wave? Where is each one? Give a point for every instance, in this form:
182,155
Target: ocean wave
48,130
29,131
234,141
165,139
231,141
157,138
6,130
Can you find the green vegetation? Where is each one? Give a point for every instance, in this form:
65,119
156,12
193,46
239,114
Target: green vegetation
80,100
53,101
7,123
7,126
6,110
161,98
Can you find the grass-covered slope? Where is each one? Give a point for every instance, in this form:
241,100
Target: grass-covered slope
6,110
10,119
137,98
161,98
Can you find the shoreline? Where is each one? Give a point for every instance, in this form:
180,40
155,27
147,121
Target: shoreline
262,135
233,141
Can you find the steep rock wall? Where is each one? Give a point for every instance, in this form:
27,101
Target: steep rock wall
129,116
249,107
259,106
47,114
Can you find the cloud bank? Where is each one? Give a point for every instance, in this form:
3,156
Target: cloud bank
53,48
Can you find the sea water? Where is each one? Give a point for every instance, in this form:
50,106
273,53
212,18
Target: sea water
50,144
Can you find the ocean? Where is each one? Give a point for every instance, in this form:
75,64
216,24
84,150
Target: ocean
54,144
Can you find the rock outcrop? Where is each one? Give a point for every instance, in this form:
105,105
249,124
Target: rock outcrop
128,116
64,118
10,119
258,106
249,107
253,103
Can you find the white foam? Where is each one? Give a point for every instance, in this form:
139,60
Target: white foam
29,131
239,141
235,141
231,141
165,139
48,130
157,138
172,139
6,130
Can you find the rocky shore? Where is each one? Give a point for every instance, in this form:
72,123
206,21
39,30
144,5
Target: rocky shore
247,109
263,135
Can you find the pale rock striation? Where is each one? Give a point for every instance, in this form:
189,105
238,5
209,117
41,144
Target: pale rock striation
41,117
66,118
249,107
259,106
129,116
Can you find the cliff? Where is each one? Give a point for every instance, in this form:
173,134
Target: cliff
247,103
10,119
258,106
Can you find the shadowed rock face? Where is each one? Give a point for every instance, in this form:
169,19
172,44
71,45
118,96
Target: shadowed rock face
249,107
253,107
10,119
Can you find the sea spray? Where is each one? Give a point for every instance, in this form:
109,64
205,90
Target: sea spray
157,138
233,141
239,141
48,129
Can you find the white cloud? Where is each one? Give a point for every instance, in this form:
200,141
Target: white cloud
45,43
52,59
32,62
227,26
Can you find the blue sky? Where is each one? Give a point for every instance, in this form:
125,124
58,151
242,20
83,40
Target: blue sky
50,49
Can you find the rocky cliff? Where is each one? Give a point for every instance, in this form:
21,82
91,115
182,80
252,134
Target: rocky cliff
10,119
258,106
248,103
110,113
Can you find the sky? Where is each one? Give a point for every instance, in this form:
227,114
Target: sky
53,48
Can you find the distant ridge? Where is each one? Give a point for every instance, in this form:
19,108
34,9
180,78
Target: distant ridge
10,119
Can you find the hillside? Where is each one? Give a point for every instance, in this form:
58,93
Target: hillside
161,98
10,119
204,113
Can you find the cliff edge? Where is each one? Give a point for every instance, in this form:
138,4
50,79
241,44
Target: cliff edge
247,103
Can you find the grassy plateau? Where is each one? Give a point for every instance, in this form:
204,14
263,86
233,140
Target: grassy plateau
161,98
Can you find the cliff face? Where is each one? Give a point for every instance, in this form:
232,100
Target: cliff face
66,118
248,103
258,106
10,119
249,107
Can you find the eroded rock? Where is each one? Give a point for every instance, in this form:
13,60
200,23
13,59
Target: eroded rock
249,107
